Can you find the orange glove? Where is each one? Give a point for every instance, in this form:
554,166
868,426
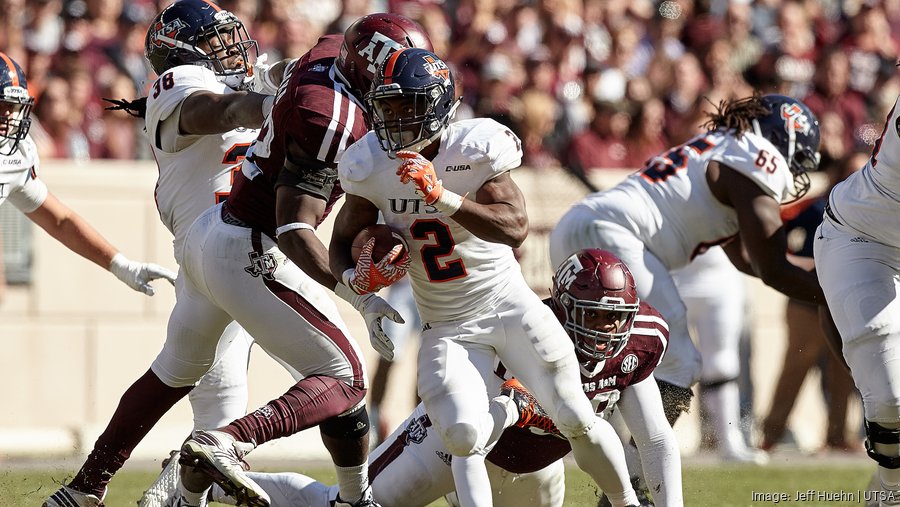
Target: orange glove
420,171
370,276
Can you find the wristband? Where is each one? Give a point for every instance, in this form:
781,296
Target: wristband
449,202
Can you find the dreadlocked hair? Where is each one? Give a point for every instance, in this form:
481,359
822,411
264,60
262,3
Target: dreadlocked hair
136,107
736,114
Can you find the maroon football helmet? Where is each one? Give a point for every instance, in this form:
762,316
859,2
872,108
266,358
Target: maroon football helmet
596,300
369,41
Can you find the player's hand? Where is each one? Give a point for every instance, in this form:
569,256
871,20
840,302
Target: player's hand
370,276
260,81
138,275
373,309
419,170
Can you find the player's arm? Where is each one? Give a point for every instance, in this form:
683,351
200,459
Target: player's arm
205,113
73,231
641,408
302,246
762,235
497,213
356,214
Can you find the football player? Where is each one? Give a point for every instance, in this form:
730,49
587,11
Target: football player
285,188
723,187
200,116
19,183
473,300
619,340
857,253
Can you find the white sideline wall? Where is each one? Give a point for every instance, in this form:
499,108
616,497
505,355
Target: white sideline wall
76,338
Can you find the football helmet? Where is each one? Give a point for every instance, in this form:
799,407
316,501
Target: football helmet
369,41
425,83
596,300
15,105
198,32
794,130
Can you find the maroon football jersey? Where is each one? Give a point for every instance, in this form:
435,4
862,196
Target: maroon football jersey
522,451
313,120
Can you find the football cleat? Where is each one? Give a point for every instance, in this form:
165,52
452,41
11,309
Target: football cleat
164,489
747,455
68,497
367,500
531,413
220,457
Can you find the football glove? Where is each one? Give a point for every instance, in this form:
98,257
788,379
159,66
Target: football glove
419,170
260,81
370,276
373,309
138,275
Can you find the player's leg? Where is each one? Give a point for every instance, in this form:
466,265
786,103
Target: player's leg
453,373
540,353
291,317
861,281
190,349
805,345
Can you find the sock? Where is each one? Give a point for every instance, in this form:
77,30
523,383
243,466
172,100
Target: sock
306,404
504,414
599,453
193,498
140,408
473,487
723,404
352,481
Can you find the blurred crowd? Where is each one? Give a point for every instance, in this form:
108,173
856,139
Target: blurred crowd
586,84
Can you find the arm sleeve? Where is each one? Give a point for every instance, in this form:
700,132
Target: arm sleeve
641,408
29,196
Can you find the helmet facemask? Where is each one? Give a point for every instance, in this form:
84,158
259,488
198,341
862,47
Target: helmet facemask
406,119
15,117
586,318
225,47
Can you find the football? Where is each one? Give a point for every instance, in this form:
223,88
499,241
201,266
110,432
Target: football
385,239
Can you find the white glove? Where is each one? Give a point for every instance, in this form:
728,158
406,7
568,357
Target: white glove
138,275
261,80
373,309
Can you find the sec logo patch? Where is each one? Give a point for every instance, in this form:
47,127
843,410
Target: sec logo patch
629,363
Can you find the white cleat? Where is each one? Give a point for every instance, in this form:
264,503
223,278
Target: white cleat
68,497
221,457
163,491
747,455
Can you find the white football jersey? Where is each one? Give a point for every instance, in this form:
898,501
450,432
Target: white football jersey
869,200
195,171
454,274
669,205
18,178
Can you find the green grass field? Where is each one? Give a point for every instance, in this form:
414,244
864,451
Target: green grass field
712,485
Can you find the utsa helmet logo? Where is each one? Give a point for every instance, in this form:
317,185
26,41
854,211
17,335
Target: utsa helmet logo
166,35
437,68
794,119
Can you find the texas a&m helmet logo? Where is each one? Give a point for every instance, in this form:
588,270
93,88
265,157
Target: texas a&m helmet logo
166,35
794,119
378,49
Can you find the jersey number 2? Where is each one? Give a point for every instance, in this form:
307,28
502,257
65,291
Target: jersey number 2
440,245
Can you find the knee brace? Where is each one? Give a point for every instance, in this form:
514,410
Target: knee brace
878,434
348,426
676,400
461,439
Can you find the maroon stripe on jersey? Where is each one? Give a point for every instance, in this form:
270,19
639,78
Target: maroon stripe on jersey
340,116
394,450
312,315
